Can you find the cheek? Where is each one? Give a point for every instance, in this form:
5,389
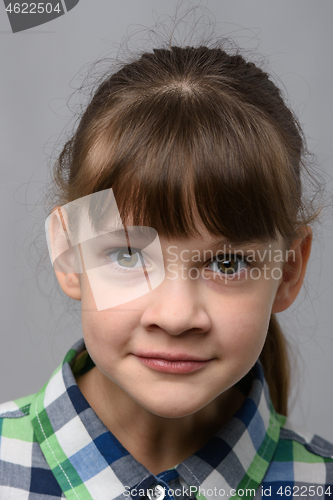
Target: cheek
108,328
243,324
108,325
105,339
108,334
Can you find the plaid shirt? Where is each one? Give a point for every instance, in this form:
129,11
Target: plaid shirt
53,445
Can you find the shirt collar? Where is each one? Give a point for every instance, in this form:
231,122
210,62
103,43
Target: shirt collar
89,462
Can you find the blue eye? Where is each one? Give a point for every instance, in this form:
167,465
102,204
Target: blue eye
229,264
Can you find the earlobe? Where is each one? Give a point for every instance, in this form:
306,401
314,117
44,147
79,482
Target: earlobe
70,284
294,269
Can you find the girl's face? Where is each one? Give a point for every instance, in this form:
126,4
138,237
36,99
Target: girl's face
178,347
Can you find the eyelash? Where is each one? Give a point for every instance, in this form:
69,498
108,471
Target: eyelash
220,259
122,269
228,258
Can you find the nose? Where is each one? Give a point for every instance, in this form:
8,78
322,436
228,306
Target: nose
176,306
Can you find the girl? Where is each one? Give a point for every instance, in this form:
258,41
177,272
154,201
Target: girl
183,230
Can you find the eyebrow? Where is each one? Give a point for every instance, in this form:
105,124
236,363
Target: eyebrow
243,245
136,234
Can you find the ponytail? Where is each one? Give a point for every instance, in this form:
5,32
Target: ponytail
276,366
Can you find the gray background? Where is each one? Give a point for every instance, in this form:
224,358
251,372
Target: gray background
37,71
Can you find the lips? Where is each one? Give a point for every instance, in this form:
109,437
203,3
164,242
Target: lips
172,362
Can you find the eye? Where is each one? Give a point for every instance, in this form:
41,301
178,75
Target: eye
228,264
126,259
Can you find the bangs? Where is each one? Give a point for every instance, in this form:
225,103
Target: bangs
182,156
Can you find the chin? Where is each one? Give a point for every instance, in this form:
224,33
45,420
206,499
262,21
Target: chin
173,413
172,409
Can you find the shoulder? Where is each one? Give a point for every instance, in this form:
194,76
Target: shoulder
301,458
313,443
16,430
16,408
24,471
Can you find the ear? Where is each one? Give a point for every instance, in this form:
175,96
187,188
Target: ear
293,271
63,254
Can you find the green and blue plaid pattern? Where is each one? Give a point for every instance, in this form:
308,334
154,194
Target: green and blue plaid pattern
53,445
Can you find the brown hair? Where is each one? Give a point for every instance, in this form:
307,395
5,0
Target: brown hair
184,128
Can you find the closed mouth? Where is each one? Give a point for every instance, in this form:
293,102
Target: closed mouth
173,363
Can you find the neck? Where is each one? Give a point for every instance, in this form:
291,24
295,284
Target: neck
156,442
